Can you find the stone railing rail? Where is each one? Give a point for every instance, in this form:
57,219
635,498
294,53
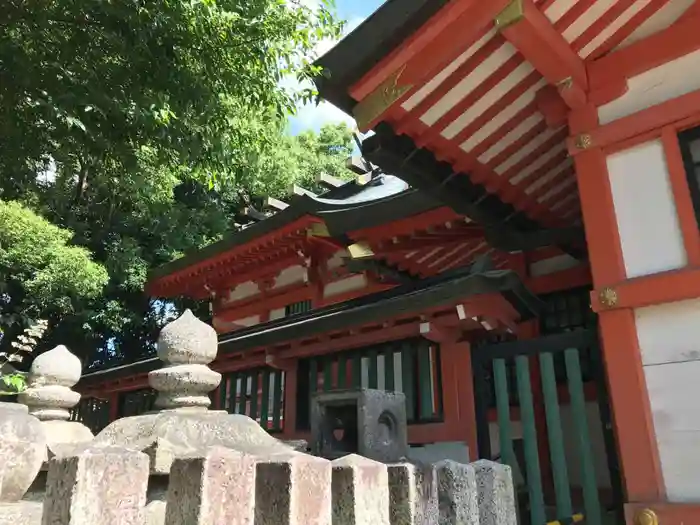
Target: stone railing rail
184,464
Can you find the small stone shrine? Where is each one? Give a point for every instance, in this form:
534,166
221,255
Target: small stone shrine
371,423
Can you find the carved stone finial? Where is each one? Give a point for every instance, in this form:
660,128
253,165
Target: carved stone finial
186,346
51,378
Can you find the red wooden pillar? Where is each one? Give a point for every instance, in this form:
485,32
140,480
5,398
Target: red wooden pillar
458,393
290,398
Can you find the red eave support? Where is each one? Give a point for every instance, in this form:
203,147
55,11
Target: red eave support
545,48
430,49
673,42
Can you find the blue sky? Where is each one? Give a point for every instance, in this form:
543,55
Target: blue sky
313,117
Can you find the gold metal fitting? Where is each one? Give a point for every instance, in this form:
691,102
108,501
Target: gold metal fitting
646,517
512,13
583,141
607,297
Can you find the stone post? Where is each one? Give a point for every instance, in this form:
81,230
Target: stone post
212,488
360,491
496,494
50,398
457,494
22,450
413,496
99,486
186,346
293,489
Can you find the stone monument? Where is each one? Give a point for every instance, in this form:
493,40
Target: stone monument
371,423
50,398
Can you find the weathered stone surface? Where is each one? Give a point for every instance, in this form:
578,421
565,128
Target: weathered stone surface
51,377
187,341
212,488
360,491
375,419
21,513
50,398
186,346
496,494
22,450
457,494
169,434
293,490
98,485
413,494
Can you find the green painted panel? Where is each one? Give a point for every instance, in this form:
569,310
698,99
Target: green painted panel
313,376
265,401
277,396
233,383
389,370
425,384
532,460
254,395
342,371
591,501
505,432
372,369
560,471
408,379
356,375
327,374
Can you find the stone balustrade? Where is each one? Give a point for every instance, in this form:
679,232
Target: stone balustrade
187,465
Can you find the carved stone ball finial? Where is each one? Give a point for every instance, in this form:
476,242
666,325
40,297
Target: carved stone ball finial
51,378
186,346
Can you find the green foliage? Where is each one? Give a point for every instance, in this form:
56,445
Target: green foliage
40,273
81,82
149,124
21,348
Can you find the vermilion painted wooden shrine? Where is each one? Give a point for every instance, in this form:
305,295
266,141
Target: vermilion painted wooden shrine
520,258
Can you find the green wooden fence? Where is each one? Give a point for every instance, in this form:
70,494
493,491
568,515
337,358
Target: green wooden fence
411,366
256,393
503,377
91,412
136,402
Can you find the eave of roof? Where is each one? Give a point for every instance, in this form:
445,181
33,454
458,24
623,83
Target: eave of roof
442,290
338,209
381,33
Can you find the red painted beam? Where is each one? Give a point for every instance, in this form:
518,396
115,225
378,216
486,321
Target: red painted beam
430,49
545,48
674,42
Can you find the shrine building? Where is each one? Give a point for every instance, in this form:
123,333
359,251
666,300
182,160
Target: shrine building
519,254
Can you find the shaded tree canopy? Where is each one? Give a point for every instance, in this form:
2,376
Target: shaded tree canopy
139,129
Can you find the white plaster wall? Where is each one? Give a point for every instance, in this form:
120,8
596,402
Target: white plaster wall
291,275
243,290
337,260
668,81
645,209
552,265
277,313
669,340
248,321
345,285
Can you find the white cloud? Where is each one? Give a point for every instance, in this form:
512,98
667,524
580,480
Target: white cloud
312,116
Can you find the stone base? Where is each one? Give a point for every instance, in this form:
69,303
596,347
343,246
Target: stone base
21,513
169,434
